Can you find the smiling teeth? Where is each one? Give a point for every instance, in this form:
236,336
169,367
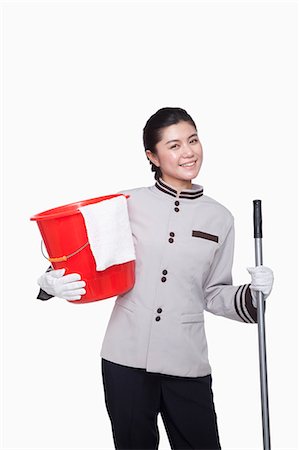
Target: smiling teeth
188,164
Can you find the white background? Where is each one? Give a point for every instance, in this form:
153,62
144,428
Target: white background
79,80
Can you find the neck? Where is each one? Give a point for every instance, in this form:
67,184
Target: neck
177,184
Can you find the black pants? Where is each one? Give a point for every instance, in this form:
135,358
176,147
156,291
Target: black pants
134,398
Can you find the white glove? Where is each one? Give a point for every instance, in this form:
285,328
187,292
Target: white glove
67,287
262,280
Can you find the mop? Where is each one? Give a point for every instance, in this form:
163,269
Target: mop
257,222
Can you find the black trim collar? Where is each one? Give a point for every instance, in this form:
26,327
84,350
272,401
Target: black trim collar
191,194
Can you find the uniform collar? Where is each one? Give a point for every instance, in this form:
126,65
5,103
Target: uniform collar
191,194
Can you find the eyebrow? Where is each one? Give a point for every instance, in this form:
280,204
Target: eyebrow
176,140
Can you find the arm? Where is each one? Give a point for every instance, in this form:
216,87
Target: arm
221,297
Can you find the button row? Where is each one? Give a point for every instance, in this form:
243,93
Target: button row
176,204
171,240
165,272
159,310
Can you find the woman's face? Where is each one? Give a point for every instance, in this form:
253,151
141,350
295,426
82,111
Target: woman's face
179,153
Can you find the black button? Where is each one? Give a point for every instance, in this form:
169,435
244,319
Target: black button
163,279
164,272
158,318
176,203
176,209
170,240
171,234
159,310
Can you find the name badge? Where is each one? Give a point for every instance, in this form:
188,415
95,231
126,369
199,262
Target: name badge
201,234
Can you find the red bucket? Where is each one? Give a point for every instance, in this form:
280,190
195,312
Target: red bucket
65,237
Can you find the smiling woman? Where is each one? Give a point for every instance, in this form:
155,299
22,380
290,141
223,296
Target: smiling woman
154,352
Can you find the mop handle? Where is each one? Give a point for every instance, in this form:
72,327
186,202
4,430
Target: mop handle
258,234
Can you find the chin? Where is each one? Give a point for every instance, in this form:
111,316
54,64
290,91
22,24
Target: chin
188,177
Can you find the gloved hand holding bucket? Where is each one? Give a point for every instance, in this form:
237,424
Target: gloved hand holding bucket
90,247
68,287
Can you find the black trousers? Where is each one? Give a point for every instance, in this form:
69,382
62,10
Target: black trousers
134,398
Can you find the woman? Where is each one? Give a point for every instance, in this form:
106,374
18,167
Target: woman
154,353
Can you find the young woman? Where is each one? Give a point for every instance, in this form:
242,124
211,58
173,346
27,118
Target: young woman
154,352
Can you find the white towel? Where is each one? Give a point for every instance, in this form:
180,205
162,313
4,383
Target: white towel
109,232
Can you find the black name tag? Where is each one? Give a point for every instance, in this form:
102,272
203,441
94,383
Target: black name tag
201,234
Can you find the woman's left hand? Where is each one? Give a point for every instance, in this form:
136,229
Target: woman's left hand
262,280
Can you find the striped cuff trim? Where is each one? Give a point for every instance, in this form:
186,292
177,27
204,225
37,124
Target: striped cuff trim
243,304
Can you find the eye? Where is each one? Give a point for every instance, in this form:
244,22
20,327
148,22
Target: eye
194,140
173,146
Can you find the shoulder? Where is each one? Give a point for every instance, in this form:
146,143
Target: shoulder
218,208
134,192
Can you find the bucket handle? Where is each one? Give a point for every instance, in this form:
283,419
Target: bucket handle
65,257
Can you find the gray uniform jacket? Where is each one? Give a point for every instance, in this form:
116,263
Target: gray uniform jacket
184,244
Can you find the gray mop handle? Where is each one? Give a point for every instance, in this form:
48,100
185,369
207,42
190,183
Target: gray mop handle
257,221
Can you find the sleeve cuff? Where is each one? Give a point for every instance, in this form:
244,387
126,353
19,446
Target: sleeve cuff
243,304
42,295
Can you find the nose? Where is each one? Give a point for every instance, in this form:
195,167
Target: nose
188,150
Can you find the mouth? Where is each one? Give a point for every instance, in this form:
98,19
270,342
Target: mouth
190,164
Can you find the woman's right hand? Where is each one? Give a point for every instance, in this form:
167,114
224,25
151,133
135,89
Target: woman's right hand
63,286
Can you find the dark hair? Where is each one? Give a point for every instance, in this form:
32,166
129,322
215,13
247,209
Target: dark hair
152,132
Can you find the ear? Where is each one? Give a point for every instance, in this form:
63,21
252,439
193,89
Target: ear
151,156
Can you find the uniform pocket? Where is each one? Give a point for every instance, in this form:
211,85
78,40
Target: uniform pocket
202,234
192,317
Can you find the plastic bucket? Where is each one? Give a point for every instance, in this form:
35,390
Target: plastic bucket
65,237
